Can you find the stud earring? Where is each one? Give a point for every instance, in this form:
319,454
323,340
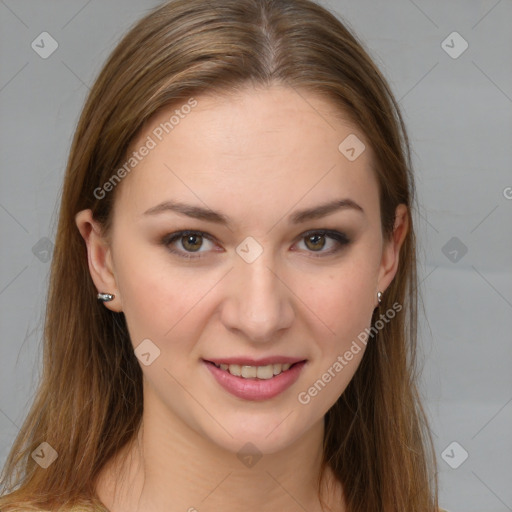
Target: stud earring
105,297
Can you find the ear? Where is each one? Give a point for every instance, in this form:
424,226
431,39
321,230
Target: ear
391,249
99,256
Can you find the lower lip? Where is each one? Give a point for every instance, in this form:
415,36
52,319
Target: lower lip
256,389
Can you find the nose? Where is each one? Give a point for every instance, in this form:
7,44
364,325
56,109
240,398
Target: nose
259,304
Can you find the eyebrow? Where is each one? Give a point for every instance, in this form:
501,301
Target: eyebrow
298,217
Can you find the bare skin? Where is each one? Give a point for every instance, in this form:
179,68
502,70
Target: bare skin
257,157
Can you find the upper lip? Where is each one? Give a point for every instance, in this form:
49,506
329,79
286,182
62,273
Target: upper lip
249,361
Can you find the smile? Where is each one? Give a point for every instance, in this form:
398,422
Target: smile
255,372
255,382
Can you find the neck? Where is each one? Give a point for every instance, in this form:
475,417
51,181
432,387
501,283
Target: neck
170,467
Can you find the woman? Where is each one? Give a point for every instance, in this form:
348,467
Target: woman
231,319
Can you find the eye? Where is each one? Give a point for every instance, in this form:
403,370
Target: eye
190,241
315,241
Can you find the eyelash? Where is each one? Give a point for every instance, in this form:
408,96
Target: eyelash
340,238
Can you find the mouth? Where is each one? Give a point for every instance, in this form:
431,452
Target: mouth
255,382
261,372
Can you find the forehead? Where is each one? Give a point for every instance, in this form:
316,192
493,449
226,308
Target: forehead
257,147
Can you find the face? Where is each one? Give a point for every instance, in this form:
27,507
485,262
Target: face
251,267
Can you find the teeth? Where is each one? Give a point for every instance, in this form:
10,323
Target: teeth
265,372
251,372
234,369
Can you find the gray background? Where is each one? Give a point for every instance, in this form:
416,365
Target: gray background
458,113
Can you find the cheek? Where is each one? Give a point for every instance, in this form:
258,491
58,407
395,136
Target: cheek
157,298
342,301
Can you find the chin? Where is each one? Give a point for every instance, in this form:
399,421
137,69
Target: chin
264,434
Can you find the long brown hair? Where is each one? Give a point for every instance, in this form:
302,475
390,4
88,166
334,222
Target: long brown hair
89,400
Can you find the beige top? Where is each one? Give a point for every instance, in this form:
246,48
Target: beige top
78,509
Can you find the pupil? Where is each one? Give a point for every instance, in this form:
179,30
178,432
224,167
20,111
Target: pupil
316,237
191,238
